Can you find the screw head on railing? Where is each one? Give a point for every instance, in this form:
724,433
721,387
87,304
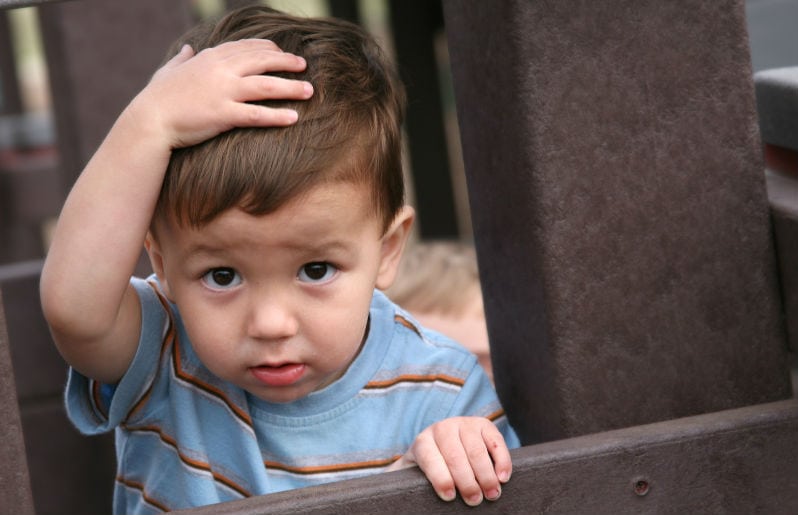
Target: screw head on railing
641,487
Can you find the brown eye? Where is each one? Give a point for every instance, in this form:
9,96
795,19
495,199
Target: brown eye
220,278
223,276
316,272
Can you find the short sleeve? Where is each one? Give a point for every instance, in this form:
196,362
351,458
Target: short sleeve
94,407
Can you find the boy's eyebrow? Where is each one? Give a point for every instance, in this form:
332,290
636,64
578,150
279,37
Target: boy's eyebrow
203,247
199,251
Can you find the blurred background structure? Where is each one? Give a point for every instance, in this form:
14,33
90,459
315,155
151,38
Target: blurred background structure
68,68
29,155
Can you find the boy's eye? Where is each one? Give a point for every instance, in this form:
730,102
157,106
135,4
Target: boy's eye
316,272
221,278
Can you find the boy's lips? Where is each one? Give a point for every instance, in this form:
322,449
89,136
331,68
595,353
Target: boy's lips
282,375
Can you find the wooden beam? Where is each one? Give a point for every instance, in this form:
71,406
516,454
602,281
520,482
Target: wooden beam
14,4
737,461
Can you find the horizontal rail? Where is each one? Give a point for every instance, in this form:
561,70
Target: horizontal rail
13,4
743,461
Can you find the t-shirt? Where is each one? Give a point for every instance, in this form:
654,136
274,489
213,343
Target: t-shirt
186,438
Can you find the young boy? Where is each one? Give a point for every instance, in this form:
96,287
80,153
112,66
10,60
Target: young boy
260,357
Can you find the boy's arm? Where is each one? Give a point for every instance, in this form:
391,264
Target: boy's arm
92,310
461,454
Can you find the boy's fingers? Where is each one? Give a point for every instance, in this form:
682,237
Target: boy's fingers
254,56
257,62
432,463
480,447
251,115
185,53
263,87
475,477
455,447
499,453
250,44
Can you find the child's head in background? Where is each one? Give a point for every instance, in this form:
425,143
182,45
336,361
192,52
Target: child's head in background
438,283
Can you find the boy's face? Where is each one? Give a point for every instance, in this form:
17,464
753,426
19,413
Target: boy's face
278,304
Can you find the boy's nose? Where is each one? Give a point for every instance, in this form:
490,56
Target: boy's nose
271,319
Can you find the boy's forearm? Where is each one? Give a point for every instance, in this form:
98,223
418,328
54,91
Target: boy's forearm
99,235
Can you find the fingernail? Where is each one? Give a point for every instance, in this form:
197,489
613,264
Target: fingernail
447,495
474,499
504,476
493,494
308,88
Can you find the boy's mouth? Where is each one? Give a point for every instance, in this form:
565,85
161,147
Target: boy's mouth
282,375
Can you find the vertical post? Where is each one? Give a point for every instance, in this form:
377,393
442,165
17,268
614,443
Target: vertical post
619,207
345,9
414,24
15,491
100,53
10,98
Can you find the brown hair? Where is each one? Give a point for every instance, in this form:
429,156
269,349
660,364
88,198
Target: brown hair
350,129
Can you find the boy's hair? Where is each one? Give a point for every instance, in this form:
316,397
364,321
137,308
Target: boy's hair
349,130
437,277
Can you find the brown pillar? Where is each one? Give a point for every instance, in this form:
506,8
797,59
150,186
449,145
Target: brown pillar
619,208
10,97
415,24
15,491
100,53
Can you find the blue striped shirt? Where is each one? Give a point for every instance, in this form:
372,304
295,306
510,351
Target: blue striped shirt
185,438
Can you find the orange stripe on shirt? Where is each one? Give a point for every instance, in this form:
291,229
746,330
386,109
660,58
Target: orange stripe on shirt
341,467
165,343
165,304
407,323
495,415
209,388
185,376
140,487
415,378
191,462
97,399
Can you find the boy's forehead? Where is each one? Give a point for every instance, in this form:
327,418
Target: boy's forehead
317,215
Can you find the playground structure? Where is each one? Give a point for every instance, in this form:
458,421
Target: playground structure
634,198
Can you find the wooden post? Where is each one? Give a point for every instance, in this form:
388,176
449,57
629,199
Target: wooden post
619,208
15,492
100,53
10,97
414,24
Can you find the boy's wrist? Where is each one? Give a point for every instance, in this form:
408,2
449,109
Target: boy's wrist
140,127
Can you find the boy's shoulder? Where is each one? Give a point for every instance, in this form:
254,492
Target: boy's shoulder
149,291
416,341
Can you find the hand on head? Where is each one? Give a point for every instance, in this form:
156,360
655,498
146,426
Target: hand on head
197,96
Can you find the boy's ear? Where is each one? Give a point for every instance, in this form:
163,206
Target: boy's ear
393,245
156,260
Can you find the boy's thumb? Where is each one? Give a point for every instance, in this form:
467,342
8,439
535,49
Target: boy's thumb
185,53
